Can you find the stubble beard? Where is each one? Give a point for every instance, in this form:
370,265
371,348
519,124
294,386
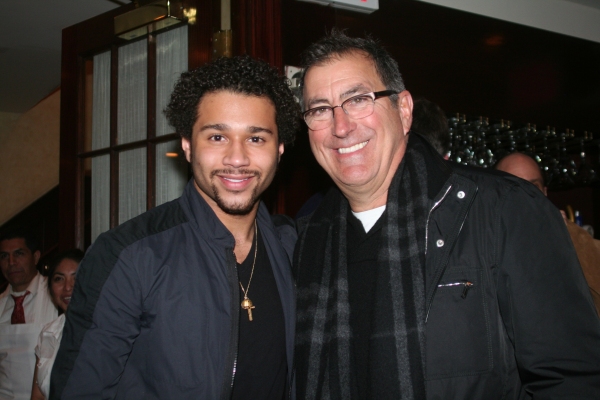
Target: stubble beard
238,208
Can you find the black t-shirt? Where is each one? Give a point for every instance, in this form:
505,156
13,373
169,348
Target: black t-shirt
261,371
362,276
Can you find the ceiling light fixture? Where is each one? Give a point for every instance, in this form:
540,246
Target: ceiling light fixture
148,16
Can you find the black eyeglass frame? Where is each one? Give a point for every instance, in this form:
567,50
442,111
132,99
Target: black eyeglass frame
374,95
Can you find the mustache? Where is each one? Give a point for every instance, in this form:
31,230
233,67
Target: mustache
240,172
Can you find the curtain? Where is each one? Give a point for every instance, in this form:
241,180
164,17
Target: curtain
100,207
171,61
132,183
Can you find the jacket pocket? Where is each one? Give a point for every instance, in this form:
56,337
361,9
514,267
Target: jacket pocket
458,327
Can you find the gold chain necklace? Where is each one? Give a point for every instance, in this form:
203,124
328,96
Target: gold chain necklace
247,303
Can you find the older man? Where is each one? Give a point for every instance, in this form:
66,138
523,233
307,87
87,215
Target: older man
421,279
25,307
195,299
588,249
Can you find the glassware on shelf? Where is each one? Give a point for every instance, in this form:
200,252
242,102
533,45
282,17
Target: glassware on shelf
479,142
585,174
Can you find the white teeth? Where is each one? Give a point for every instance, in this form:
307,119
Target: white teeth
67,298
351,149
235,180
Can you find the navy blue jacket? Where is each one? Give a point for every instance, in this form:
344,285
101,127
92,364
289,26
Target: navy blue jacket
155,309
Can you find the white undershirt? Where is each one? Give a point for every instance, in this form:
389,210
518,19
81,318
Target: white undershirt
369,217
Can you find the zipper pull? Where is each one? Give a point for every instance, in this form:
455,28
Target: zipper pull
468,285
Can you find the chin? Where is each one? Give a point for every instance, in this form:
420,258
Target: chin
236,210
358,178
236,206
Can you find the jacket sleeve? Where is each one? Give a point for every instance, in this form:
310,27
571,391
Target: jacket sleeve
544,300
102,324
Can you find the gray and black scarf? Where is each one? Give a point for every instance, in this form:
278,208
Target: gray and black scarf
323,357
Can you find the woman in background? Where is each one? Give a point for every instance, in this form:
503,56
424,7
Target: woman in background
60,285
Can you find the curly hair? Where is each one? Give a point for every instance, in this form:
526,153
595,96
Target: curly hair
337,44
243,75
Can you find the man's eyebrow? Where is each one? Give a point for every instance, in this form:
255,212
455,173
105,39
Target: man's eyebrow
217,127
259,129
312,102
360,88
225,127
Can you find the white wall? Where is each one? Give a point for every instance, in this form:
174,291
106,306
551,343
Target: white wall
578,18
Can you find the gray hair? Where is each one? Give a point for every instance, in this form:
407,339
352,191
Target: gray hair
337,44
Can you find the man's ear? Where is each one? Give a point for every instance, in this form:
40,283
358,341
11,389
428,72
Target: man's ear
36,257
186,146
281,150
405,105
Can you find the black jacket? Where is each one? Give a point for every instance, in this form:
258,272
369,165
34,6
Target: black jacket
155,308
509,314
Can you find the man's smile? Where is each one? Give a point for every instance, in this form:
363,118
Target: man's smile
236,180
352,149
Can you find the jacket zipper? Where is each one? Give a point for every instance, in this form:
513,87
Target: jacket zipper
430,301
233,349
437,203
467,285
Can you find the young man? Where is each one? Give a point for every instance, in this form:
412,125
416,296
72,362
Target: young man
25,307
418,278
195,299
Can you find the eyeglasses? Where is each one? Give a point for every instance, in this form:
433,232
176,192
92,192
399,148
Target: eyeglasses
359,106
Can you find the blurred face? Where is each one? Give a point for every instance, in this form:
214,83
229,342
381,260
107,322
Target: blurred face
234,150
62,282
523,167
360,155
18,263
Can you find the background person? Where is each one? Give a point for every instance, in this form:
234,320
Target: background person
25,307
61,279
429,120
588,249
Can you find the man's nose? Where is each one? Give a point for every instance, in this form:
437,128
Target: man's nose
236,155
342,123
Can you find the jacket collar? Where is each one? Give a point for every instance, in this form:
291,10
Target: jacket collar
438,170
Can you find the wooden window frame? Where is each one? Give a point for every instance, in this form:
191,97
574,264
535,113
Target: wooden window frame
257,32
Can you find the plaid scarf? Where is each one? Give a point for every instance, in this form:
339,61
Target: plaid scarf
397,342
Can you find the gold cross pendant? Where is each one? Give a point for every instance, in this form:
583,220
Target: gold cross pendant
247,305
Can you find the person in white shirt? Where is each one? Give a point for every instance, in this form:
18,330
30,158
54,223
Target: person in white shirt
25,307
60,286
